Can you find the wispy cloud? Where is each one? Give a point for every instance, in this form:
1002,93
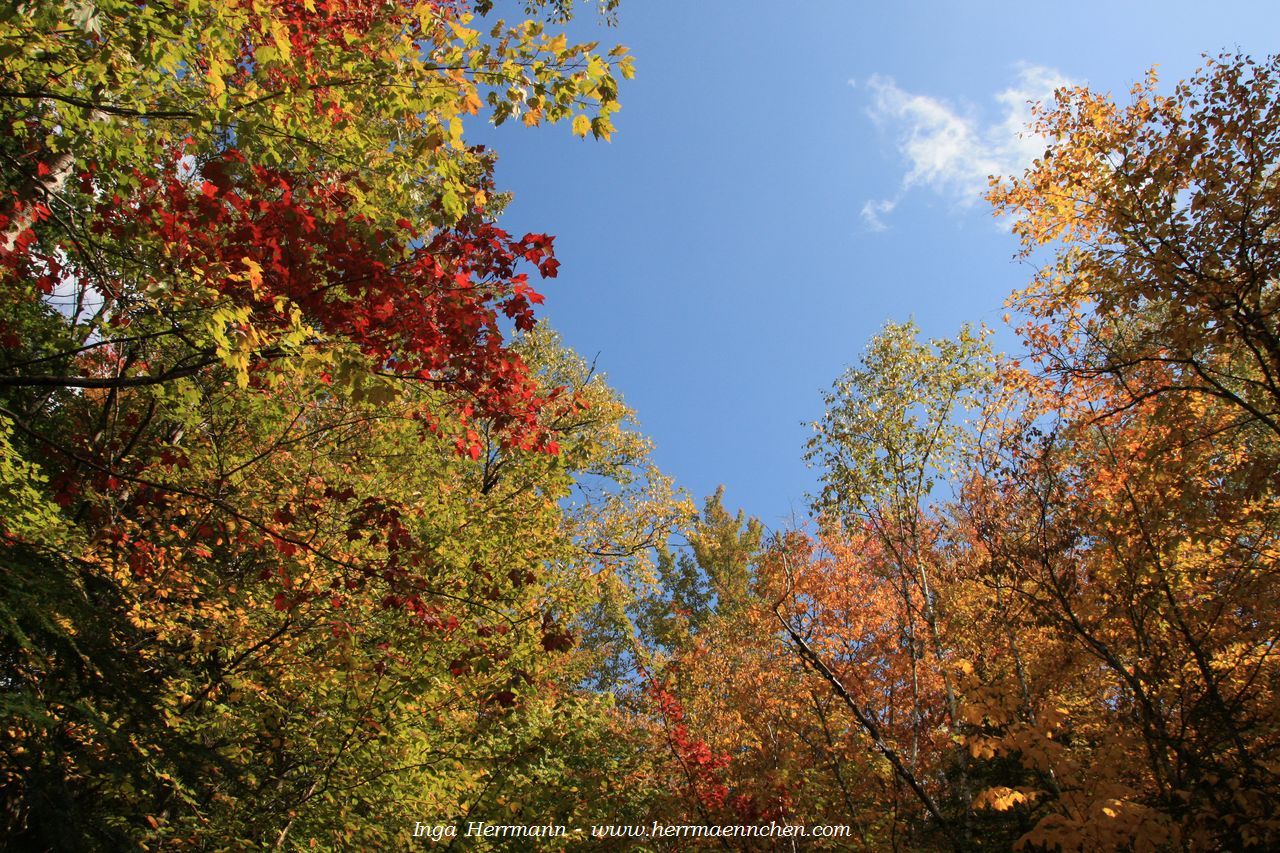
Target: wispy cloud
873,212
949,152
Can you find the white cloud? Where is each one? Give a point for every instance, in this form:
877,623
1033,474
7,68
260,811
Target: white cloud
873,212
952,153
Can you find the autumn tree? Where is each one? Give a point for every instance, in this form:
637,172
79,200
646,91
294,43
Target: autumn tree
229,184
892,433
710,688
1087,560
283,551
1037,609
1163,212
1129,504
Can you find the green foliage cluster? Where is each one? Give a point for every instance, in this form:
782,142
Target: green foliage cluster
299,544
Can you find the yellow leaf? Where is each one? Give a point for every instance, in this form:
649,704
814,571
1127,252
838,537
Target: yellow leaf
253,274
581,126
217,87
280,35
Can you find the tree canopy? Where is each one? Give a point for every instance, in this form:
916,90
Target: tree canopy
309,529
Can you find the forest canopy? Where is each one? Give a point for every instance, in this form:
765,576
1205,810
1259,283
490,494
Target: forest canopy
311,530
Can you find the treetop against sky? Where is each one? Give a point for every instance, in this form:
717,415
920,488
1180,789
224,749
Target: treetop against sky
312,536
784,181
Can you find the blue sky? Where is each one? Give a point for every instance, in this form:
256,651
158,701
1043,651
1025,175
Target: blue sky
788,176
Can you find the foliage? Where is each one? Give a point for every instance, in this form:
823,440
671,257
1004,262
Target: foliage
1038,609
1072,586
309,530
1131,505
288,547
252,182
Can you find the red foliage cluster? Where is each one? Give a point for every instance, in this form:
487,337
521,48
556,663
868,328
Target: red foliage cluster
701,765
21,260
421,307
